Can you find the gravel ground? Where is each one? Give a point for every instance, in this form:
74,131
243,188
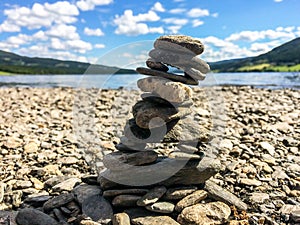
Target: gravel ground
51,134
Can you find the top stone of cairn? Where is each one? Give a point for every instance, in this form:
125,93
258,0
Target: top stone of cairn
174,42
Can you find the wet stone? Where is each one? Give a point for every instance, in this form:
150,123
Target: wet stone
83,191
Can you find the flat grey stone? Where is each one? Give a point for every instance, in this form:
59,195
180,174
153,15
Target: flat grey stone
152,196
218,193
181,43
182,61
191,199
125,200
161,207
157,220
171,172
184,130
178,193
171,76
83,191
194,73
156,65
58,201
152,97
166,89
34,217
122,161
132,191
97,208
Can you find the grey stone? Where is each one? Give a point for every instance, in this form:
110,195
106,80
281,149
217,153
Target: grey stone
171,172
193,73
161,207
8,217
178,193
181,43
83,191
201,214
184,130
184,156
132,191
34,217
66,185
191,199
157,220
125,200
121,219
182,61
166,89
218,193
171,76
259,198
250,182
145,114
121,161
152,196
156,65
152,97
58,201
97,208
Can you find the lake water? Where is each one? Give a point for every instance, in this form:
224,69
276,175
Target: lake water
263,80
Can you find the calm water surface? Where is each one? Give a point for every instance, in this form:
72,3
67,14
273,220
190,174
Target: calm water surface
263,80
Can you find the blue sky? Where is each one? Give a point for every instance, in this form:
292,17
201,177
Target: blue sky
93,30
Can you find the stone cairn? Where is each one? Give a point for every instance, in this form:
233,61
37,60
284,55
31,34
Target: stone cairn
158,175
158,168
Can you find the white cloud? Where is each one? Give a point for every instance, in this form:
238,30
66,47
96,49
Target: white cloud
93,32
197,23
177,10
174,29
99,46
63,31
44,51
86,5
175,21
70,45
39,16
197,12
215,15
283,33
158,7
130,24
277,0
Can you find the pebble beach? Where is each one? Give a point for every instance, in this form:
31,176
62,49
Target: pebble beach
44,155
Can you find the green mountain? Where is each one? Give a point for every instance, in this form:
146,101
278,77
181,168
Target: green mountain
285,57
16,64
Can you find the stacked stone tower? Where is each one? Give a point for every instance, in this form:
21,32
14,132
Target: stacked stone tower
159,148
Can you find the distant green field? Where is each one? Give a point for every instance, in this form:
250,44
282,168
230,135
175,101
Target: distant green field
267,67
5,73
